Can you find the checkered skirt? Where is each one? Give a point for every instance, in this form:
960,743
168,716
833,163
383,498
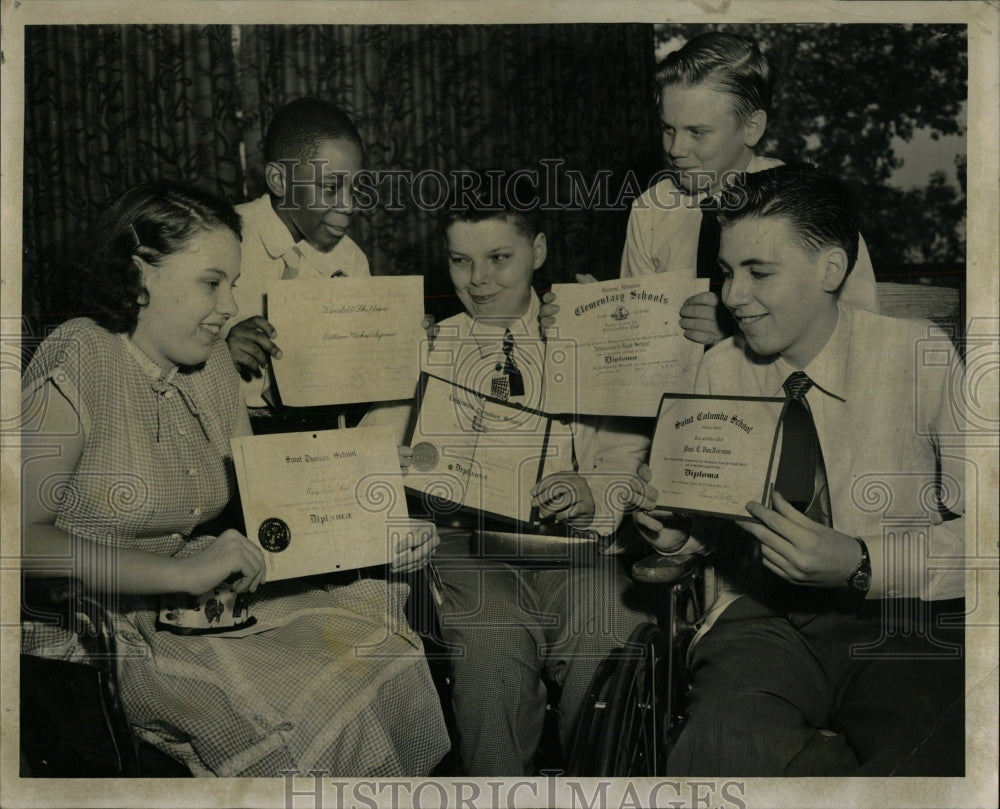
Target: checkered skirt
341,685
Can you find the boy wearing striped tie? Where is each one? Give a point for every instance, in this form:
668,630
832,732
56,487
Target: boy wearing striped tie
507,624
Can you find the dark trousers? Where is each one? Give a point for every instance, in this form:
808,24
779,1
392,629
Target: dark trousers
875,689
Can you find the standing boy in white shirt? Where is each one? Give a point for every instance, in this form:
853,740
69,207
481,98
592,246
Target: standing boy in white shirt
714,98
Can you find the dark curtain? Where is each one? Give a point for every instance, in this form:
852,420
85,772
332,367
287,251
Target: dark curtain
108,106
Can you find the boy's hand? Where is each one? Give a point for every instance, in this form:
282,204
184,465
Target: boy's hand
699,318
667,537
585,278
564,496
405,456
664,532
415,547
800,550
251,343
430,327
642,496
547,312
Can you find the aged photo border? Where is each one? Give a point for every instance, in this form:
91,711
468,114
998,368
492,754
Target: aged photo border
978,788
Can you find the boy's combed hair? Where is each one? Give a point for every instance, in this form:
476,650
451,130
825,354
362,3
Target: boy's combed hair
731,64
299,126
508,196
818,206
151,221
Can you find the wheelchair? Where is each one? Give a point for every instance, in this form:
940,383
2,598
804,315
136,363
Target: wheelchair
635,705
73,724
72,720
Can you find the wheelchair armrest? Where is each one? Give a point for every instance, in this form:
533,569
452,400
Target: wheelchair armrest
62,599
73,707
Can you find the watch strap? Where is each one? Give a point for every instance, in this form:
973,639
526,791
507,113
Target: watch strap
860,581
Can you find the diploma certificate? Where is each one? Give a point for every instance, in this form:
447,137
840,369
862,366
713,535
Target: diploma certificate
625,345
713,454
323,501
346,340
471,452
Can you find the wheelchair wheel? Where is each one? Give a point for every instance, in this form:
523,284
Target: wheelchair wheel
591,725
635,733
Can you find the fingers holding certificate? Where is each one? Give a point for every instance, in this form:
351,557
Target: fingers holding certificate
624,343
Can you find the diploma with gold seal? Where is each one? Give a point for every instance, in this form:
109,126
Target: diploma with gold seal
475,453
714,454
623,344
324,501
346,340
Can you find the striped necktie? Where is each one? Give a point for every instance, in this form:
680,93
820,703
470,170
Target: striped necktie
509,383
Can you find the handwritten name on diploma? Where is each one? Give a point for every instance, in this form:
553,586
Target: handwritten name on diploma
734,420
351,308
376,335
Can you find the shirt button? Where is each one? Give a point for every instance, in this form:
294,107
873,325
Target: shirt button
196,511
193,473
169,394
176,536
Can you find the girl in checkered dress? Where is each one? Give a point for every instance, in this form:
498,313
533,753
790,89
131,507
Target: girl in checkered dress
126,423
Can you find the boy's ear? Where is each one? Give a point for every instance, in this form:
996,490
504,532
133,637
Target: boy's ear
755,127
834,269
274,176
541,248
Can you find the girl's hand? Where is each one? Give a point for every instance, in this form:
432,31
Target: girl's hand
415,547
230,556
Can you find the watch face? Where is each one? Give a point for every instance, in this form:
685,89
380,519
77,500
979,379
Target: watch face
861,581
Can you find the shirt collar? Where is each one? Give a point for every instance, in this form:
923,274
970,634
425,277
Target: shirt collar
315,260
149,368
273,232
828,369
489,335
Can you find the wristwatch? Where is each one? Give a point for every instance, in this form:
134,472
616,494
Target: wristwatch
860,580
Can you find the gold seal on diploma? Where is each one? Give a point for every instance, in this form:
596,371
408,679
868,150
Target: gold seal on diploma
425,456
274,535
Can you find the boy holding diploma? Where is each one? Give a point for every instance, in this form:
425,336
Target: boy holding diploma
815,641
296,230
510,624
714,99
